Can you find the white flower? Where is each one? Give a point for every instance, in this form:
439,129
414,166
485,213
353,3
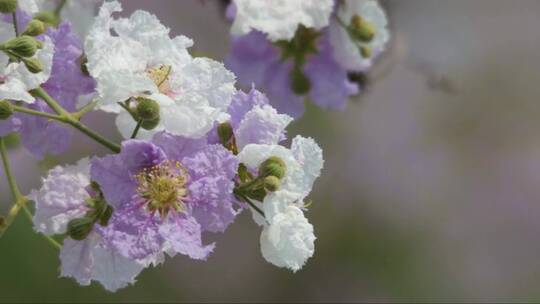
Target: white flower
304,163
140,59
289,240
61,199
346,50
15,79
279,19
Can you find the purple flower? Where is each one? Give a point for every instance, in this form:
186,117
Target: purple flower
255,59
253,120
165,194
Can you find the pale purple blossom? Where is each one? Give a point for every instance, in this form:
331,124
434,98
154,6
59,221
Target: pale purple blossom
165,194
256,60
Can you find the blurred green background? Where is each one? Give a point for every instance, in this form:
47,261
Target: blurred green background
431,186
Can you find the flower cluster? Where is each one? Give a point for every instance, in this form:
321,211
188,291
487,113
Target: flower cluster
298,49
197,152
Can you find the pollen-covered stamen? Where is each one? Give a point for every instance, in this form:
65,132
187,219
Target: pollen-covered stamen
160,76
163,187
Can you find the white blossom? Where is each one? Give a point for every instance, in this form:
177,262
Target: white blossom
141,60
279,19
346,50
287,238
288,241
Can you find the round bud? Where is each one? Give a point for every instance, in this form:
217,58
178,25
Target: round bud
33,65
6,109
147,109
8,6
300,83
273,166
23,46
48,17
35,28
362,29
150,124
271,183
366,51
105,215
225,132
79,229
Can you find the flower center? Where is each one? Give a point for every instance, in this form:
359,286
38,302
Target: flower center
160,76
163,187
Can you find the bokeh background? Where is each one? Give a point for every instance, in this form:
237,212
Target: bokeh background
431,186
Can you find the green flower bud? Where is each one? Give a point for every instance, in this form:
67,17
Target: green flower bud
147,109
273,166
300,83
34,28
24,46
362,29
78,229
150,124
6,109
225,132
105,215
366,51
33,65
8,6
48,17
271,183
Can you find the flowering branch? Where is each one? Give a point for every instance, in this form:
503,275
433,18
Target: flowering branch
73,120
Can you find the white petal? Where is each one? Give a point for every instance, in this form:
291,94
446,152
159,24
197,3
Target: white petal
61,198
261,125
309,156
289,240
279,19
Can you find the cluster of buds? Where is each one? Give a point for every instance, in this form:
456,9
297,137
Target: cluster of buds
24,47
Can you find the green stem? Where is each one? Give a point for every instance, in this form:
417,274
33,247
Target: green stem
137,128
84,110
73,121
15,24
37,113
20,200
247,200
59,7
7,169
49,239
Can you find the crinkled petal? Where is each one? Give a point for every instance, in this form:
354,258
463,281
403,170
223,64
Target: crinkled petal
88,260
262,125
183,235
178,147
211,203
309,156
61,198
279,19
134,234
289,240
